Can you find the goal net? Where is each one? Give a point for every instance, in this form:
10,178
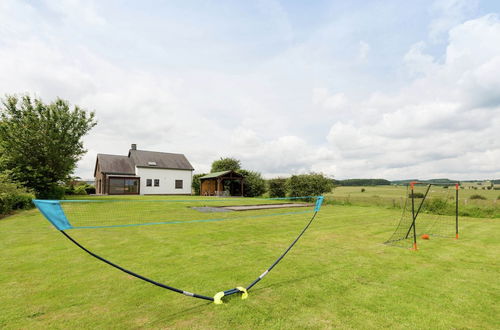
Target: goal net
430,210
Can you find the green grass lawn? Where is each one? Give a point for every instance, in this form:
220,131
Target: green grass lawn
400,191
338,275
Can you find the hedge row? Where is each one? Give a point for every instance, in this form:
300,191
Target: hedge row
13,197
312,184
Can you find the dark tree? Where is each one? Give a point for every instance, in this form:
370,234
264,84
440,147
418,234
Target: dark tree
313,184
41,143
196,185
253,185
226,164
277,187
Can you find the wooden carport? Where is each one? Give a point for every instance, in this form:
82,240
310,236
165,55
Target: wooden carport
214,184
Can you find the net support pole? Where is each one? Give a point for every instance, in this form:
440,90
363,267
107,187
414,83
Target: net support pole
415,214
456,210
412,186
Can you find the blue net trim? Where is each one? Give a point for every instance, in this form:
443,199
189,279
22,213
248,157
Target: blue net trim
53,211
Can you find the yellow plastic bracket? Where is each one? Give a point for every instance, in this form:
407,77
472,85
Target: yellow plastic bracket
244,293
218,298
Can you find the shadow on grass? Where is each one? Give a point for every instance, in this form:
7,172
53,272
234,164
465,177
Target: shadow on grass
287,282
187,311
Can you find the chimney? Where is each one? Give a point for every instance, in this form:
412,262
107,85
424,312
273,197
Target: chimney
133,146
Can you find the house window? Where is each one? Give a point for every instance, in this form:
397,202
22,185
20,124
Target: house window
149,182
178,184
157,182
119,186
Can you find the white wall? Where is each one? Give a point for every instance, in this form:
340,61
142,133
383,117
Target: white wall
167,180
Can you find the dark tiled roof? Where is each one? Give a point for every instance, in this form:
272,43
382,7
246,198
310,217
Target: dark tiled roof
115,164
142,158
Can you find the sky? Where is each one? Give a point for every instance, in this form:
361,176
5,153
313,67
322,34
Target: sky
352,89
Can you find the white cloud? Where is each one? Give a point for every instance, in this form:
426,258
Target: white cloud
364,50
417,62
445,122
298,110
449,13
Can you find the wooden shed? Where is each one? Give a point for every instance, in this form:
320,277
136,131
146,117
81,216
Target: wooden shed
226,183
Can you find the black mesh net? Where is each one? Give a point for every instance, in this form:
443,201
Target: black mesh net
433,208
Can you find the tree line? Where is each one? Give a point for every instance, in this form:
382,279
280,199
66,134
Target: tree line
362,182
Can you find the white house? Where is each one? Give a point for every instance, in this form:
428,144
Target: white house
143,173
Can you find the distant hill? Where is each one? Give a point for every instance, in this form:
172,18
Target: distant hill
363,182
434,181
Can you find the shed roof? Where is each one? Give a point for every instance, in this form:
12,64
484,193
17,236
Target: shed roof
219,174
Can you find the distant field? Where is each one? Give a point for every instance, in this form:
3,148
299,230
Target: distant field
394,197
339,275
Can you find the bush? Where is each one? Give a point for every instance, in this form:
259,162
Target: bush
363,189
417,195
80,190
477,196
54,191
13,197
313,184
436,206
196,184
253,185
90,189
277,187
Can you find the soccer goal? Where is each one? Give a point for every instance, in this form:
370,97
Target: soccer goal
429,210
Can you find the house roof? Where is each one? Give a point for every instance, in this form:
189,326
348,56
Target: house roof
219,174
142,158
115,164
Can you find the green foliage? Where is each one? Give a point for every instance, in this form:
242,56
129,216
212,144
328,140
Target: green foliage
80,190
417,195
253,185
90,189
313,184
13,197
439,206
226,164
41,143
363,189
52,191
477,196
364,182
196,184
277,187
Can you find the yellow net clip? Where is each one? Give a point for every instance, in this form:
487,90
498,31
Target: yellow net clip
218,298
244,292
